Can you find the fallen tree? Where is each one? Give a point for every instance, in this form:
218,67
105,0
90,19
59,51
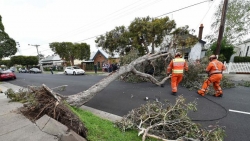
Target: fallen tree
83,97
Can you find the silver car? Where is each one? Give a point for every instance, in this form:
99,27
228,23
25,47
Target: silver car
74,70
35,70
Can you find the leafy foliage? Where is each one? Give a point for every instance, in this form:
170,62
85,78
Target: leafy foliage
241,59
20,96
7,44
24,60
70,51
168,121
244,83
237,24
227,50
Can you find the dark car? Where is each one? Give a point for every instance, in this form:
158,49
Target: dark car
22,70
35,70
8,74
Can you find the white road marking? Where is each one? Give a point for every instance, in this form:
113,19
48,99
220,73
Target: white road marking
239,112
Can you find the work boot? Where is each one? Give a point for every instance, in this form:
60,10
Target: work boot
174,93
201,92
218,94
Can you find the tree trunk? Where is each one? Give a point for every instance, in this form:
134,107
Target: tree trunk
83,97
72,61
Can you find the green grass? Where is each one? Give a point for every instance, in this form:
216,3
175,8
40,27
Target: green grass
103,130
93,73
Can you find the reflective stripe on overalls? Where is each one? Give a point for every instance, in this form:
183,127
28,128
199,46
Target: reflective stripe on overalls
216,71
178,65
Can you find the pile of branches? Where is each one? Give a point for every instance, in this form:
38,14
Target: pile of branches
39,101
166,121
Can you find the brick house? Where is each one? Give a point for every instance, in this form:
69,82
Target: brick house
100,58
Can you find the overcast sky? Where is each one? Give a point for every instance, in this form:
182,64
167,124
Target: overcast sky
40,22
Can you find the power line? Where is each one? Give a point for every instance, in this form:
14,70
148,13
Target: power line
113,18
156,17
105,17
205,14
183,8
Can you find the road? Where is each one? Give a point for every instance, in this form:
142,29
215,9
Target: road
231,111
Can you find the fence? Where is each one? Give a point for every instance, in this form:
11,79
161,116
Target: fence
237,67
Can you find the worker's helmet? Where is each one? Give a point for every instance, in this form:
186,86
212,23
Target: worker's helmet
178,54
212,57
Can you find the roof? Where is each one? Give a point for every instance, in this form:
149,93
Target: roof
105,54
247,40
52,58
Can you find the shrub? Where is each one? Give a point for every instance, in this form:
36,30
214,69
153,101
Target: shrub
241,59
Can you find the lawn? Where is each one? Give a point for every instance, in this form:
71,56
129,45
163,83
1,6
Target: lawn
103,130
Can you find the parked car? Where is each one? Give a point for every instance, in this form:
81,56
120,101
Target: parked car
8,74
12,69
23,70
35,70
74,70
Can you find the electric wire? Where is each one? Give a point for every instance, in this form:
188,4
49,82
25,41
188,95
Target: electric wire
156,17
205,14
183,8
135,8
105,17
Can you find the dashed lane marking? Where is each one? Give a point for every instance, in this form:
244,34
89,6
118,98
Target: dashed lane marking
239,112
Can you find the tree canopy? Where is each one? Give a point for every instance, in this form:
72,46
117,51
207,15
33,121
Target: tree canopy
71,51
227,50
142,33
24,60
237,24
7,44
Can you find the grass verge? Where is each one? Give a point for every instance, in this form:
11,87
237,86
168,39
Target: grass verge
103,130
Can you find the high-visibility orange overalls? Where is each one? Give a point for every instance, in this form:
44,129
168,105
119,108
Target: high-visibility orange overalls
177,66
214,69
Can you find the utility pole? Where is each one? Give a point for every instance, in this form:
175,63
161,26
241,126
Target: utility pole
41,68
221,30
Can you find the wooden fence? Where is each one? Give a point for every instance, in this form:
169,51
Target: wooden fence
237,67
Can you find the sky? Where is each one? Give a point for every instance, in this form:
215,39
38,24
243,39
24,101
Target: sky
40,22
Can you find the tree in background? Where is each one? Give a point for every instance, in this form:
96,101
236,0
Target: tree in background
5,62
227,50
237,24
142,33
70,51
7,44
24,60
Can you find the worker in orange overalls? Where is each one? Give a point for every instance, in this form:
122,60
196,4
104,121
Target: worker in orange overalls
177,66
214,70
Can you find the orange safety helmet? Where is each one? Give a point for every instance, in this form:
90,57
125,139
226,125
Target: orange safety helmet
212,57
178,54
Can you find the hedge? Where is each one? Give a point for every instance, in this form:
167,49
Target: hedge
241,59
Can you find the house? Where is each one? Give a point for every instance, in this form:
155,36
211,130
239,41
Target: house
52,60
243,49
100,57
196,52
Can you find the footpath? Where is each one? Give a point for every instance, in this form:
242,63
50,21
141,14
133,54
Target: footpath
15,127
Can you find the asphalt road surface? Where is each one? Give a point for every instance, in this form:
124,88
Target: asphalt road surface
231,111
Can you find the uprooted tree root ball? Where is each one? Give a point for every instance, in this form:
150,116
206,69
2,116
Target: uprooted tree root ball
169,122
39,101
